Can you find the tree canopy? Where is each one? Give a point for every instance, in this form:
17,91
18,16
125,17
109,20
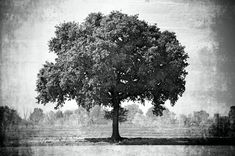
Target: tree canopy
112,55
111,58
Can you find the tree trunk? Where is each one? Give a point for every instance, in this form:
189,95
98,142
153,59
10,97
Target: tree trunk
115,135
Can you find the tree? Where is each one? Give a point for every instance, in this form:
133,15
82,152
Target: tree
200,117
96,114
36,115
82,116
122,114
132,109
25,113
183,120
9,119
59,114
168,117
111,58
67,114
50,118
150,114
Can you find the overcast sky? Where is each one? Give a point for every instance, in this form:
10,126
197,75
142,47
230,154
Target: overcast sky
205,28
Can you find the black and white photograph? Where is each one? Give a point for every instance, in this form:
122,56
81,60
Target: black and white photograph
117,77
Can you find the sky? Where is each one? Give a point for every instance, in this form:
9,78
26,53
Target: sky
205,28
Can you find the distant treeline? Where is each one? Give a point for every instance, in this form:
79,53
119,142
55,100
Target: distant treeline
130,114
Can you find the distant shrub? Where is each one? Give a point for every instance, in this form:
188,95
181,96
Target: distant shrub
219,130
49,118
68,113
9,120
59,114
220,127
8,117
36,116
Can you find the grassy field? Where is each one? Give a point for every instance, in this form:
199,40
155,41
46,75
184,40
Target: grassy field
98,134
80,140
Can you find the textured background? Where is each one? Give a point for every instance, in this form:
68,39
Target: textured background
206,28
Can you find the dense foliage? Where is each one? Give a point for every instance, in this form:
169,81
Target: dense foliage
8,117
111,58
9,120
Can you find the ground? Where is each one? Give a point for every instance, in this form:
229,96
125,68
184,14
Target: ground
99,135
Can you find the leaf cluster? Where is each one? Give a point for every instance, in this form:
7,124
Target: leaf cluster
110,58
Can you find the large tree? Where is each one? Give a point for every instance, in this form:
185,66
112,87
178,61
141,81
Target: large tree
111,58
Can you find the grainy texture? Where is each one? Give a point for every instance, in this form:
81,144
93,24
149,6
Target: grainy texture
122,150
205,27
